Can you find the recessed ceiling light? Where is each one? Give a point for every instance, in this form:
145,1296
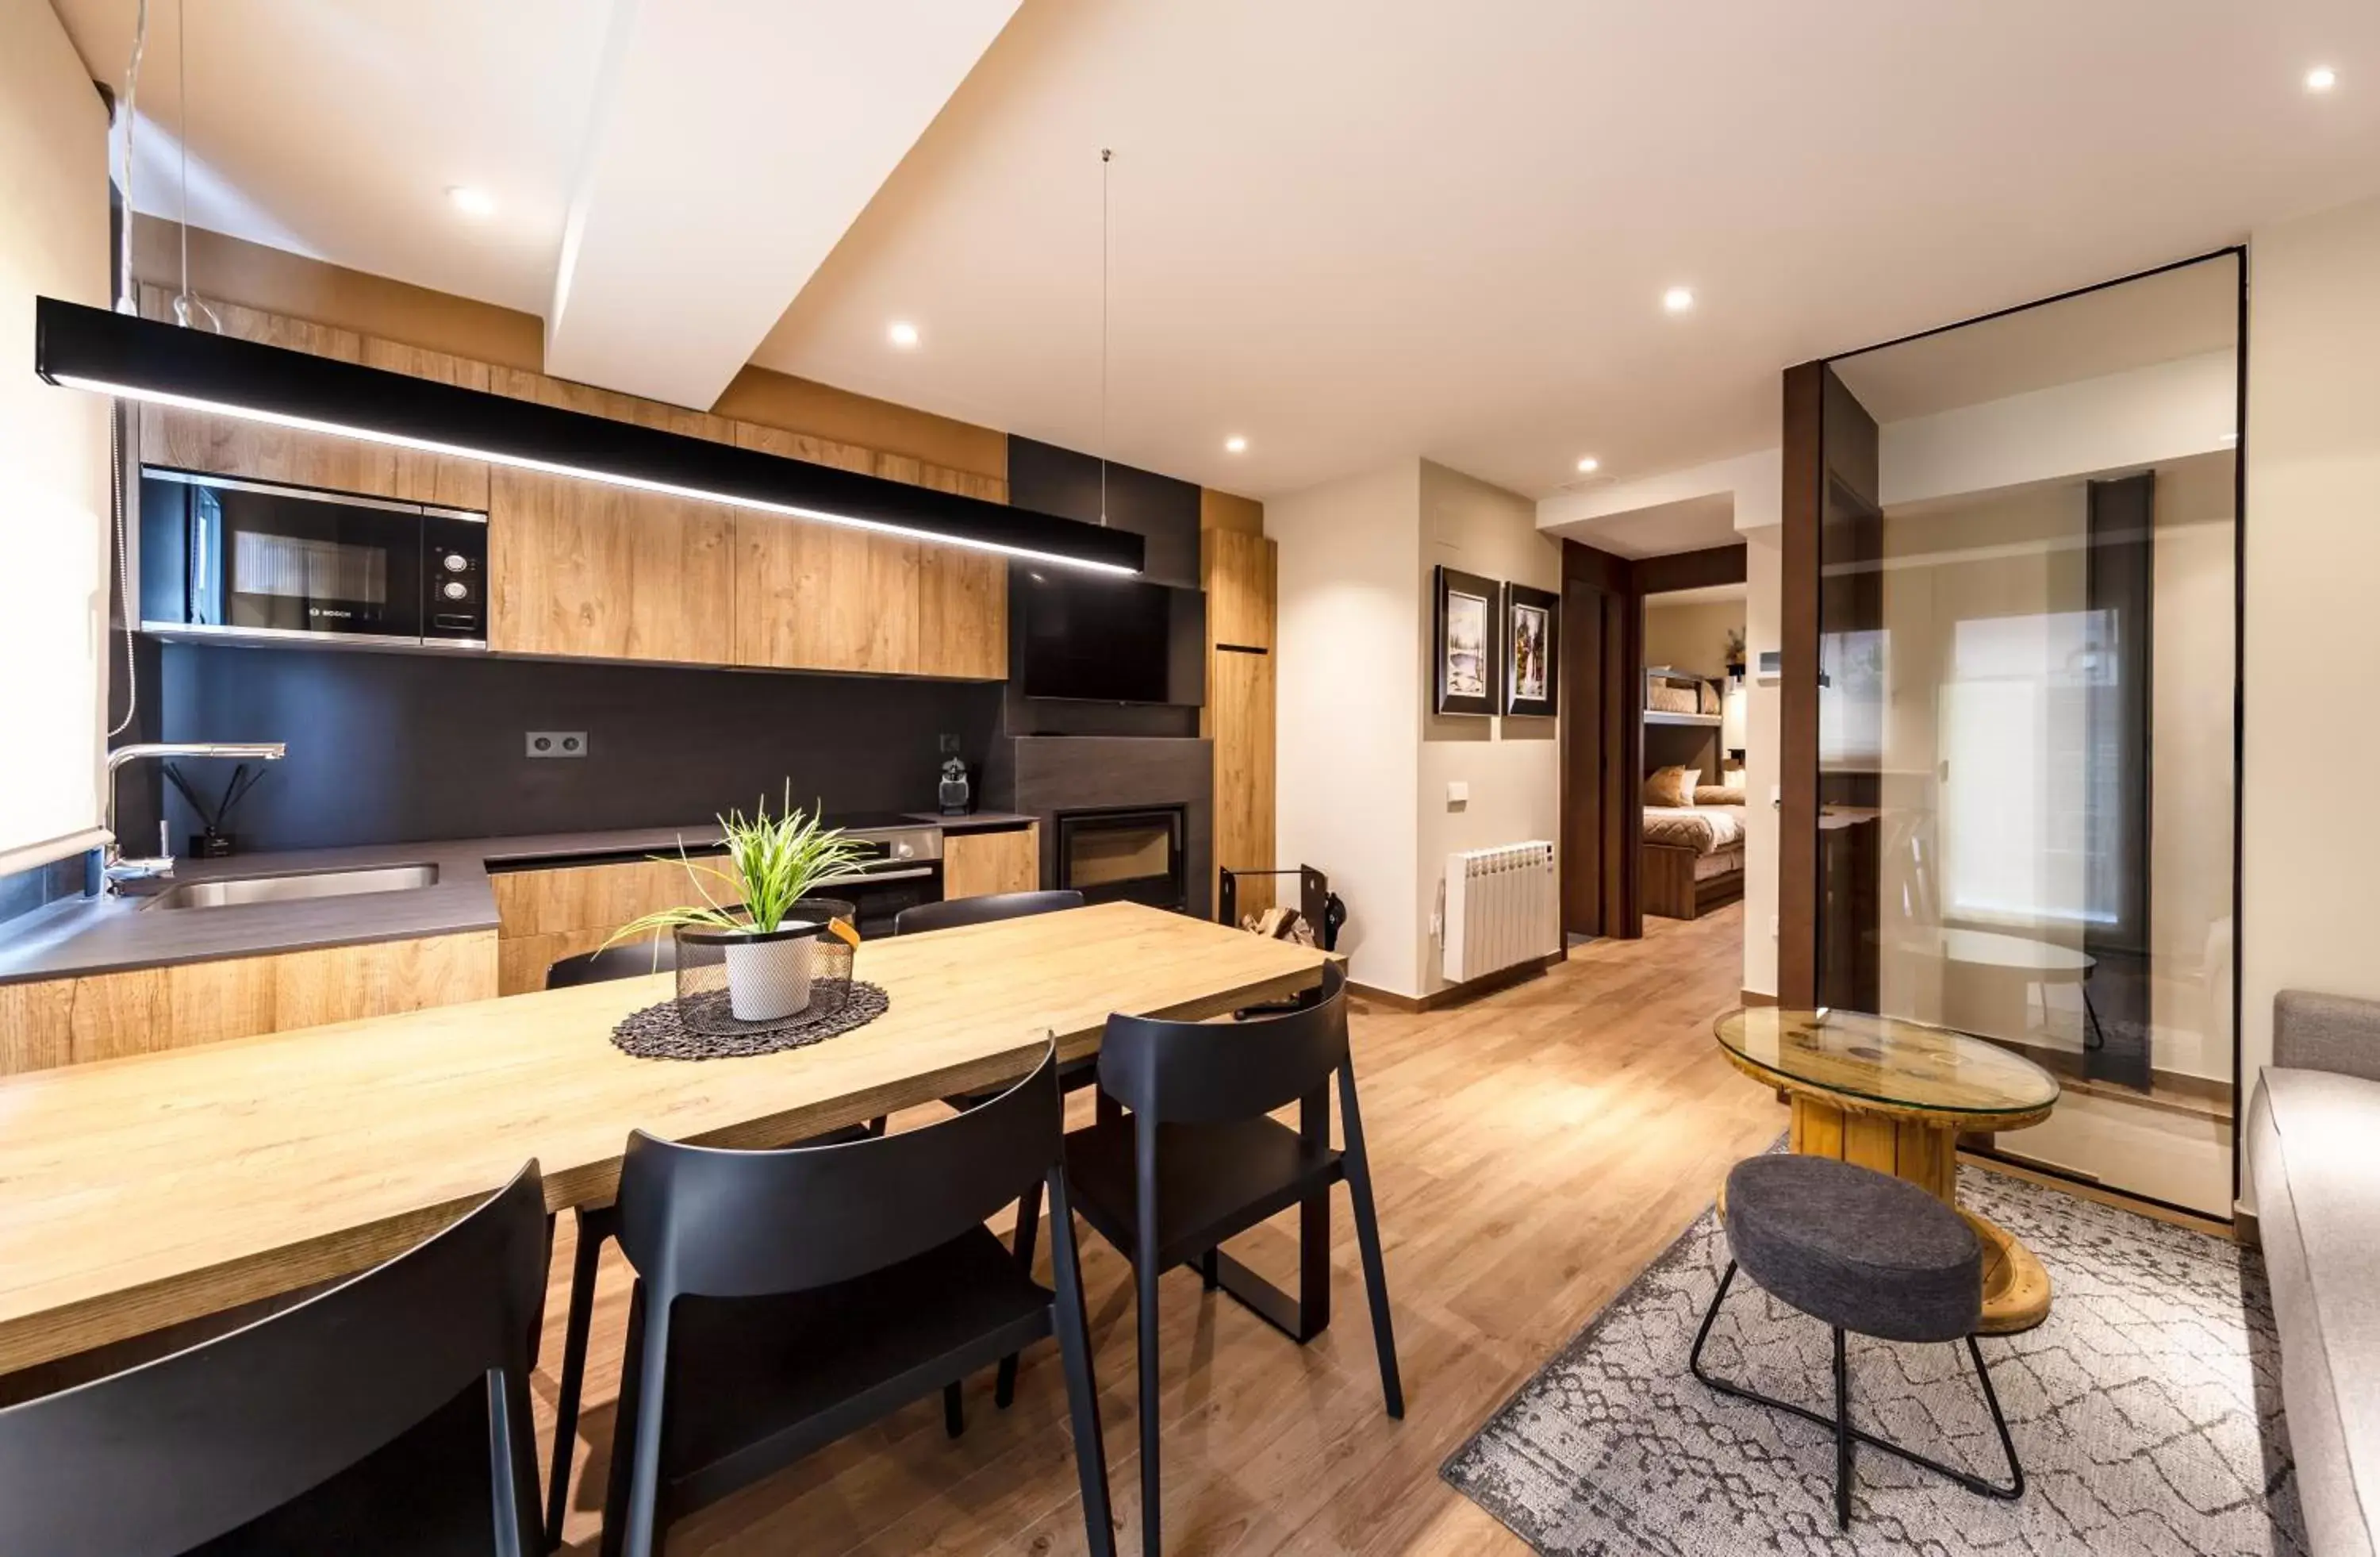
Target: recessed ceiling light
902,333
1589,465
1678,299
471,201
1236,444
2322,78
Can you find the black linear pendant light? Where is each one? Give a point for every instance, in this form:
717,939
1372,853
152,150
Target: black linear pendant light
81,347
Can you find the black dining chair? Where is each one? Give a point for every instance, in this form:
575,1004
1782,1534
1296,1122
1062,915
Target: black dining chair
630,959
598,1224
983,909
1199,1161
786,1299
1072,1075
390,1414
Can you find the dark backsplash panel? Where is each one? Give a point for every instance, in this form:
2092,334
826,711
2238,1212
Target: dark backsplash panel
401,747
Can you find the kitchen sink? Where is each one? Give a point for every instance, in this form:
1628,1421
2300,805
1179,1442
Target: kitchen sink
295,888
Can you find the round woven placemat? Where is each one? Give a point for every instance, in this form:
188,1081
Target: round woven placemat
658,1032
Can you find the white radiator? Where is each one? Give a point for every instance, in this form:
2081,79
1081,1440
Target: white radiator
1501,909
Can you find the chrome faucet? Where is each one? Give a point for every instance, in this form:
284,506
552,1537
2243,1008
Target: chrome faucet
118,870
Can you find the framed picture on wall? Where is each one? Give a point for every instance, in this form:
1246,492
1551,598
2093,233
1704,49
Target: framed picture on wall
1532,650
1468,657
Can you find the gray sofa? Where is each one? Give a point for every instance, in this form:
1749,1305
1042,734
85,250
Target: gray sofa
2313,1159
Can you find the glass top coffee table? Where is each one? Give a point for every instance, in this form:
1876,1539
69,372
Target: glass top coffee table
1894,1095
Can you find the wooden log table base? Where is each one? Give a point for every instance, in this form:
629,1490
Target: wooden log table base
1924,1150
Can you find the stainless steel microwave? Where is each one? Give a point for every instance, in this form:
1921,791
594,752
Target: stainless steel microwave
224,558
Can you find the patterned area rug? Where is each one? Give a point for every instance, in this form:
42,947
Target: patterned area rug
2146,1411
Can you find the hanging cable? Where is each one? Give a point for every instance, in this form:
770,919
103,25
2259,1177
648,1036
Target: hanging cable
185,299
1106,155
126,301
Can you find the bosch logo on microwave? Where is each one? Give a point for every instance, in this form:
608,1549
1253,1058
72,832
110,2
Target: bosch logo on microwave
319,611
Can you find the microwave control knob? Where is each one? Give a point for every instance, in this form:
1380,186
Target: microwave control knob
457,562
903,851
454,588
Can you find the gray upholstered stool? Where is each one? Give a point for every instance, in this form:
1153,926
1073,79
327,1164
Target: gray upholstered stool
1857,1251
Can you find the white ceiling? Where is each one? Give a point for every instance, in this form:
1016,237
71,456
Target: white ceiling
2187,311
1349,230
735,142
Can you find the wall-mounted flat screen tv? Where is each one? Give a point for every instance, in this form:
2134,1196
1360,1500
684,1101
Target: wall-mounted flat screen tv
1115,640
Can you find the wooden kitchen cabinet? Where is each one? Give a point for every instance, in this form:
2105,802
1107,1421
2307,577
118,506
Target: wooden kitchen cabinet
977,864
962,592
49,1021
258,451
546,914
581,568
816,596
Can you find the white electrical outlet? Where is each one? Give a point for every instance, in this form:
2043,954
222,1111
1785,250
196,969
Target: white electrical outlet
557,743
1458,792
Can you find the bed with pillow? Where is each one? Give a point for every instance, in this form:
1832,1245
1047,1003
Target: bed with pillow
1691,860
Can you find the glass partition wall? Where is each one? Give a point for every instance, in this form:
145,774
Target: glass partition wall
2028,660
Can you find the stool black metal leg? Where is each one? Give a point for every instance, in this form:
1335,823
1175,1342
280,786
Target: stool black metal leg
1840,1423
954,1410
1842,1436
2015,1488
1710,1316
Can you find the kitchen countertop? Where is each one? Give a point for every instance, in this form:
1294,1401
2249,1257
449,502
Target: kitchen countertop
104,934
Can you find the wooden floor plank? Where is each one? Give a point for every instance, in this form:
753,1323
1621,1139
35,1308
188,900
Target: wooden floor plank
1533,1150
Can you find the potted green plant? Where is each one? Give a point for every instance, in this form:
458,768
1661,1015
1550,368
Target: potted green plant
772,863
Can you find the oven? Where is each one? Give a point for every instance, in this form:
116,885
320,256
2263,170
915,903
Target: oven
224,558
904,869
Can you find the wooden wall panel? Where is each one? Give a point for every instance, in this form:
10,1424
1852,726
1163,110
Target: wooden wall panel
1239,571
1221,510
1240,722
110,1015
976,864
1239,583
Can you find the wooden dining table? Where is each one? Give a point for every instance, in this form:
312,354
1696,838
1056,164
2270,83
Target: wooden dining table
140,1193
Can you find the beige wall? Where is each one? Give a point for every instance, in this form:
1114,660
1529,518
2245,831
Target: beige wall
1362,762
2308,890
52,445
1348,729
1512,766
1691,636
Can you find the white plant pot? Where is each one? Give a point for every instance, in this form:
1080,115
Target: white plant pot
770,980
